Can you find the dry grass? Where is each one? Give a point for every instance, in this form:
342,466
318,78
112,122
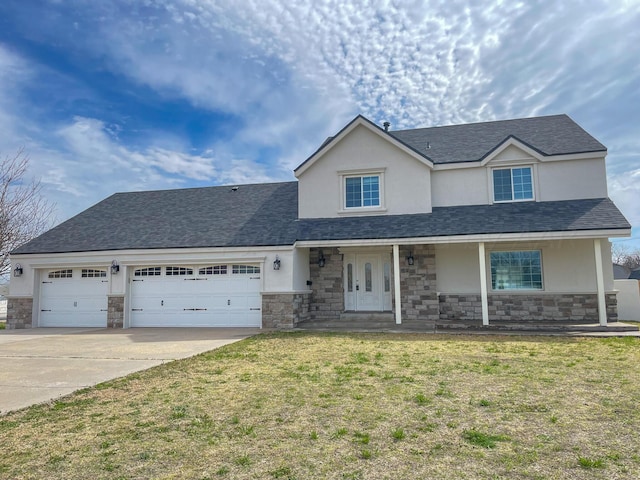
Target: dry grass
367,406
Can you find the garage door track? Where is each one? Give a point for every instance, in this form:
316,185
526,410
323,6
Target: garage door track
45,363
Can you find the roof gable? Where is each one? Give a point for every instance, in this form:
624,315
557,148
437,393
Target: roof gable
548,136
360,120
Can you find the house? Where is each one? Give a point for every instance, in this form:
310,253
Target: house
463,224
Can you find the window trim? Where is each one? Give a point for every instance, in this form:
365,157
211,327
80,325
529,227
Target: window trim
372,172
515,290
533,170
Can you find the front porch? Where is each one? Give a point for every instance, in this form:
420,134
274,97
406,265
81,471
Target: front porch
356,288
385,323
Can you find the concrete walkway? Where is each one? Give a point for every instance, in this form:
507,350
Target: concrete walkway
45,363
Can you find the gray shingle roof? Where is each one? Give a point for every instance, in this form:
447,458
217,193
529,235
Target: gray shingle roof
550,135
266,215
538,217
261,214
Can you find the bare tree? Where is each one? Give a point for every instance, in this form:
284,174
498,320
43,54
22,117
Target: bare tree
623,255
24,212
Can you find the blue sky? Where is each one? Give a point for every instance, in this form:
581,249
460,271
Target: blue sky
118,95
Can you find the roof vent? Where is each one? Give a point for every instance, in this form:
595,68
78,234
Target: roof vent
386,126
234,189
428,146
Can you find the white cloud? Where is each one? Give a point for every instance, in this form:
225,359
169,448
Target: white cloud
294,72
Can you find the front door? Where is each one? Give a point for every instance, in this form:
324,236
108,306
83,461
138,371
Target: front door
367,282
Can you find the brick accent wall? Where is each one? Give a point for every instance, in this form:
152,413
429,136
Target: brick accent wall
19,313
115,311
284,310
612,307
460,307
419,297
531,307
327,296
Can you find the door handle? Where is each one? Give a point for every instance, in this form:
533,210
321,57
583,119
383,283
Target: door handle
228,302
357,287
162,303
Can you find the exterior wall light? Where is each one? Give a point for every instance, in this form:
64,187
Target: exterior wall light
321,260
17,272
115,268
276,263
410,259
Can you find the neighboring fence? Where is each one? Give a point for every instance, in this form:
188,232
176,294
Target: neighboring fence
628,299
3,309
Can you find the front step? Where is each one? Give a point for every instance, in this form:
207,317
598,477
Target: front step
367,317
367,322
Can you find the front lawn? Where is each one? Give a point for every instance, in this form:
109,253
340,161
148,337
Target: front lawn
359,406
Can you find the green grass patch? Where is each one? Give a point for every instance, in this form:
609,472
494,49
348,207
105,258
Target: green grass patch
481,439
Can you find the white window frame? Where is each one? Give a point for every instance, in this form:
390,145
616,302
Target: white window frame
516,290
510,168
376,172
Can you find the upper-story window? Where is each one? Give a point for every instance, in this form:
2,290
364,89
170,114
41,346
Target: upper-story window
362,191
512,184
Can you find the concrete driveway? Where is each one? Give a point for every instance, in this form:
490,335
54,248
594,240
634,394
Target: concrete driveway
45,363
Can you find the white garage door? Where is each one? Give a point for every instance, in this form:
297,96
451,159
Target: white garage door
74,297
196,296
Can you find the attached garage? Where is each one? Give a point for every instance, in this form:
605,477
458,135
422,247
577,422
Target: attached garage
221,295
74,297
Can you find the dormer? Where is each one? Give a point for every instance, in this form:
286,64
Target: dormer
364,170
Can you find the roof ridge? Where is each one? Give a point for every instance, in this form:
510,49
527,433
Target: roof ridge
230,185
506,120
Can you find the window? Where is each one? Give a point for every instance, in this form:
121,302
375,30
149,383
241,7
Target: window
245,269
61,274
178,271
387,277
349,277
516,270
91,273
362,191
214,270
148,272
512,184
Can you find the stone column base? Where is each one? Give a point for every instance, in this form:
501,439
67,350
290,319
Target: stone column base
19,313
284,310
115,311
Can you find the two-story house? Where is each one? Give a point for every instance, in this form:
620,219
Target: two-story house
464,224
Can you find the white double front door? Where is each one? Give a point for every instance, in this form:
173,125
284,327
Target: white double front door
367,282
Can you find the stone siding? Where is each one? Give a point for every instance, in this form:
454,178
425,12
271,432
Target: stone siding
284,310
532,307
419,298
19,313
460,307
327,294
115,311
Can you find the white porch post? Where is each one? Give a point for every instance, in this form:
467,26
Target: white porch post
483,284
602,304
396,283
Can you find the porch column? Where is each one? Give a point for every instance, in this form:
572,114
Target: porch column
396,283
483,284
602,304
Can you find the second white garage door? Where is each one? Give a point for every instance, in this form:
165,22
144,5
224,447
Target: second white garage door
196,296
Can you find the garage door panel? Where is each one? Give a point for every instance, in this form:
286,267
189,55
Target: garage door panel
75,301
197,299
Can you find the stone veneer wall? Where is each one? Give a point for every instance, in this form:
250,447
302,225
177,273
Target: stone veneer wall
419,298
327,296
19,313
519,307
284,310
115,311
